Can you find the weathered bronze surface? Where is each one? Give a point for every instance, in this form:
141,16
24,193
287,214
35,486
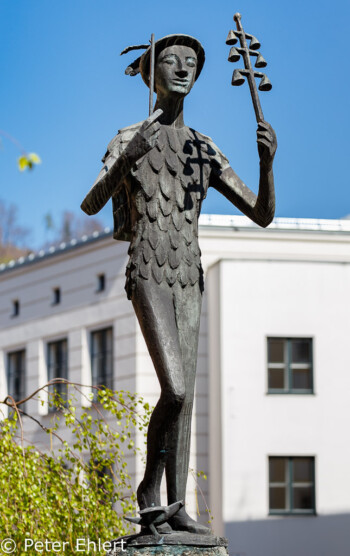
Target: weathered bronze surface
158,173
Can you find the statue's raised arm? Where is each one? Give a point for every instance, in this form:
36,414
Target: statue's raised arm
259,208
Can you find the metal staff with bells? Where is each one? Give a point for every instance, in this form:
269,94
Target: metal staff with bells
246,52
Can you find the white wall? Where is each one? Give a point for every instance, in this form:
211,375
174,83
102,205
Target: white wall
284,299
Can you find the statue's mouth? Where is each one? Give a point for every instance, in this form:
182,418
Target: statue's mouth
181,82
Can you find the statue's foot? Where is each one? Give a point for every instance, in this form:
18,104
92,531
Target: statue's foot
163,529
183,522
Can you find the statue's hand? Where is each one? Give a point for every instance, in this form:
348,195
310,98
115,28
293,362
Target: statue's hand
267,143
145,138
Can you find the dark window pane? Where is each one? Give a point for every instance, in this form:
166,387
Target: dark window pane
109,339
64,352
302,470
16,374
275,351
278,498
301,379
302,498
56,296
94,369
102,358
301,351
101,282
15,307
57,359
58,367
276,379
278,470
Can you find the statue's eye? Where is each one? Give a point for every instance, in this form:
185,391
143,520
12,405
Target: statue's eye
169,61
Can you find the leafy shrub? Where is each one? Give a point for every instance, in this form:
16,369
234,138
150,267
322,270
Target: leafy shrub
80,489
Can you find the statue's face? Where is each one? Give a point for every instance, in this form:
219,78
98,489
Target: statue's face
175,70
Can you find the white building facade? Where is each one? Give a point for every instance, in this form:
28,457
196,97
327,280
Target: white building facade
273,383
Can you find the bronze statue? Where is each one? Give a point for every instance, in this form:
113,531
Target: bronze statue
158,173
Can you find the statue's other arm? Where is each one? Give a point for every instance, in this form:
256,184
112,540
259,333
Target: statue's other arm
259,208
112,174
117,166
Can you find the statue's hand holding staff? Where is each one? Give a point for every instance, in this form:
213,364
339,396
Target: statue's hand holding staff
267,143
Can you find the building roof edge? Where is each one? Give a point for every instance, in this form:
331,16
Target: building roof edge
218,221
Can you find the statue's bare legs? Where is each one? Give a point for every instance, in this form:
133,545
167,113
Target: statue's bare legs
169,318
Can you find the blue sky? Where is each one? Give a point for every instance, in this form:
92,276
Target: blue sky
64,95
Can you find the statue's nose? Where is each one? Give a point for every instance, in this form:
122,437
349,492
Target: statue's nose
182,72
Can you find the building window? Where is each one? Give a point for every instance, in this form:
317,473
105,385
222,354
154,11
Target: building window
16,374
289,366
56,296
292,485
102,358
101,283
15,308
57,367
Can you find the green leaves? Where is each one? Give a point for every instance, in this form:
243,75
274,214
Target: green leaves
28,161
64,490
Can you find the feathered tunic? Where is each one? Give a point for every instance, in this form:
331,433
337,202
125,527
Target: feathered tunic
158,205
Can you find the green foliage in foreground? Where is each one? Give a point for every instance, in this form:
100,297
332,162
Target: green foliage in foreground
76,490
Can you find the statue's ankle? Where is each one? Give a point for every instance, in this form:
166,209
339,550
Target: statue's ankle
147,496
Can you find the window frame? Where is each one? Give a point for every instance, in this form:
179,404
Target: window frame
101,282
288,366
56,296
21,372
290,486
16,308
97,380
61,388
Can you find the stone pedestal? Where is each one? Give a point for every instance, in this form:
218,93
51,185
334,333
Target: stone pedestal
174,544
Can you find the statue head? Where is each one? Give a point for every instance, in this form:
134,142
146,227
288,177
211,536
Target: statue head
179,60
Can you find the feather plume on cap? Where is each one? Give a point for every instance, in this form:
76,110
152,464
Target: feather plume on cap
134,67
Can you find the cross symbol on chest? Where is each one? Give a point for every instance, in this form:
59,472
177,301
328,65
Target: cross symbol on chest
202,159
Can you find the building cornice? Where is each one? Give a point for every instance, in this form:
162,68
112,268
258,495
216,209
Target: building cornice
207,223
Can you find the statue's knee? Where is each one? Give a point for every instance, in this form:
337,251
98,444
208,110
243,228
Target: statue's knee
179,398
175,398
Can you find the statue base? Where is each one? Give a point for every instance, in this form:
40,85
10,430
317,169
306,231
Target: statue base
178,543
